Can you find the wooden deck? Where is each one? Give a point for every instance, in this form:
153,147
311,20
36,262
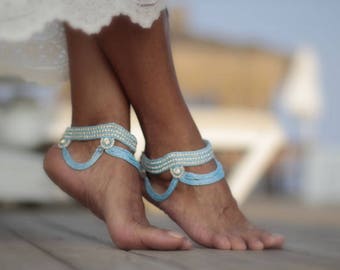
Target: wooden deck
71,238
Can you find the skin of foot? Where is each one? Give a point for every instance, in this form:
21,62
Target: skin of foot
112,190
208,214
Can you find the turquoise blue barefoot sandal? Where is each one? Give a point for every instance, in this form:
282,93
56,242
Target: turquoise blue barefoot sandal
175,162
107,134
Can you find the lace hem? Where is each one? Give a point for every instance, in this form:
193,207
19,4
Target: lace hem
33,45
20,19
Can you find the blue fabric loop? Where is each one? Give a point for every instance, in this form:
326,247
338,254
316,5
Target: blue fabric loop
114,151
189,178
160,197
195,179
124,154
78,165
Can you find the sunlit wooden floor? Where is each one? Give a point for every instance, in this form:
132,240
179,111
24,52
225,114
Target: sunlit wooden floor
71,238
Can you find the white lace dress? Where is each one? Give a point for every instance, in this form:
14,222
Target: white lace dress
32,40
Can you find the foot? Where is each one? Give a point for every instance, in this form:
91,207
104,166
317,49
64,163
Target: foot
111,189
210,215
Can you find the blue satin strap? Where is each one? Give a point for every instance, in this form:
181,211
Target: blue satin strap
160,197
81,165
114,151
195,179
189,178
124,154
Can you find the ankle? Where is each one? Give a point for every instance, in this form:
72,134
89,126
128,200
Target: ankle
176,135
80,121
159,145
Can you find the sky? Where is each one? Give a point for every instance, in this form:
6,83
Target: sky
283,25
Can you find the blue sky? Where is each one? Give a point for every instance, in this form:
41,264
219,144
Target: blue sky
284,25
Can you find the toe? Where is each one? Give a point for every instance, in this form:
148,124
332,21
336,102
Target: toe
254,243
154,238
237,243
144,236
272,240
221,242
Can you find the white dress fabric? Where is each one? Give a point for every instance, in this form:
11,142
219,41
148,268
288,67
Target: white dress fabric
32,39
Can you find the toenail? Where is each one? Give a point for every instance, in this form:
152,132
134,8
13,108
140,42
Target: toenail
175,234
187,244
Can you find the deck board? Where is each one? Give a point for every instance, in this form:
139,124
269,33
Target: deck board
18,253
77,250
72,238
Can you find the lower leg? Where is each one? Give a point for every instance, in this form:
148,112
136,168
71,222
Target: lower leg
142,59
111,188
96,95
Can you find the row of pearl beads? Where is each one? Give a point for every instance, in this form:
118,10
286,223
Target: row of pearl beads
103,130
178,160
207,150
105,143
166,166
150,163
95,135
109,132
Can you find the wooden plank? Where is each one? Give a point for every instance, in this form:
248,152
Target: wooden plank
293,257
17,253
216,259
302,251
74,249
312,240
77,221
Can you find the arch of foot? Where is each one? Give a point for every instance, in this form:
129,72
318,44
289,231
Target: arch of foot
175,162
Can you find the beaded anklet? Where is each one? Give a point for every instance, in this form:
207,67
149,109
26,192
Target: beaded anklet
107,133
175,163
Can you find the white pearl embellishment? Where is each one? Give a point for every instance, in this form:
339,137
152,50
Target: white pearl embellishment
106,142
64,143
177,171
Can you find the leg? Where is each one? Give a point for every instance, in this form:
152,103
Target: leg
142,59
111,188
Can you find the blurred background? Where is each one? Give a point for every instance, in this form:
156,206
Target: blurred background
261,78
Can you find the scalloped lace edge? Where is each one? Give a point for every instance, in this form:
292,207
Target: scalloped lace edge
26,27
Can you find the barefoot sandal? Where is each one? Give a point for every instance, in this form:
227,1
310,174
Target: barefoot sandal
107,133
175,162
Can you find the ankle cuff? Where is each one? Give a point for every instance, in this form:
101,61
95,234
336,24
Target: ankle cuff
175,162
107,133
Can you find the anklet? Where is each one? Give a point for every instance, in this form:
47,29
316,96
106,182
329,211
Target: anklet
108,134
175,163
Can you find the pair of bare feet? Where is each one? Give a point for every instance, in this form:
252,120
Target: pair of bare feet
112,190
129,65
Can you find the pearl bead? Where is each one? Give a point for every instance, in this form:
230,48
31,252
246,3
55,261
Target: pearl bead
177,172
107,143
63,143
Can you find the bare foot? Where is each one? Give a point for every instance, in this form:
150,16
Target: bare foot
111,189
210,215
